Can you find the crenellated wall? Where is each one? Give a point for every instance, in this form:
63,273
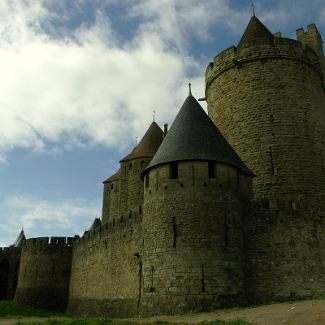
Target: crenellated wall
106,276
44,273
193,238
268,101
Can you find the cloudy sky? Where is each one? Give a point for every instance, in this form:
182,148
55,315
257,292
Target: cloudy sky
79,81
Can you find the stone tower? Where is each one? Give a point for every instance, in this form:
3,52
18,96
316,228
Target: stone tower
44,273
196,188
267,98
123,192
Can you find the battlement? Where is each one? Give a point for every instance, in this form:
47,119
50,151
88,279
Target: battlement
48,241
280,48
311,29
124,224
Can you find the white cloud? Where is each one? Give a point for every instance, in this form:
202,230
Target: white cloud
84,89
40,217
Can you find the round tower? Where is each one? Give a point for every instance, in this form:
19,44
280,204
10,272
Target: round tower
44,273
196,188
266,96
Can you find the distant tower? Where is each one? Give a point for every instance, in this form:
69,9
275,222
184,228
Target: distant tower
196,188
110,208
123,192
266,96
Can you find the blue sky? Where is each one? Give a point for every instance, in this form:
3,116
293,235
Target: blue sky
80,79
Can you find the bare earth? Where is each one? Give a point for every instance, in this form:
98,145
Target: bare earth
310,312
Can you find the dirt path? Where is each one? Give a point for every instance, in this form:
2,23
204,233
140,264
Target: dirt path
310,312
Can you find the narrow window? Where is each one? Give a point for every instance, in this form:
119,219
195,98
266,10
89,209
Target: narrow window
211,166
112,186
147,179
202,279
140,209
173,170
271,160
113,222
130,166
226,230
121,219
174,232
130,214
152,288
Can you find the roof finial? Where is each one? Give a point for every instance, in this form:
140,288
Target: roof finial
189,89
253,8
154,115
136,141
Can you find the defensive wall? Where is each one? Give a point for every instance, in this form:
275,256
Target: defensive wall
193,237
267,98
44,273
9,268
106,273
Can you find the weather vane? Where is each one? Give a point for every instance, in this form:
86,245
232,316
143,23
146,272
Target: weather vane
253,8
154,115
189,89
136,141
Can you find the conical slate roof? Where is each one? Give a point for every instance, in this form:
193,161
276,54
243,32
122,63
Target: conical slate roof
148,145
19,240
97,223
193,136
114,177
255,30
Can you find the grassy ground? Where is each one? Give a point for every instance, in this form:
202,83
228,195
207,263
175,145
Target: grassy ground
97,321
9,310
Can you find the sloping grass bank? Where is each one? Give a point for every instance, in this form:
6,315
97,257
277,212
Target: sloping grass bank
10,310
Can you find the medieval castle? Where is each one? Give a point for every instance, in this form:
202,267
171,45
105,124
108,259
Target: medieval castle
219,210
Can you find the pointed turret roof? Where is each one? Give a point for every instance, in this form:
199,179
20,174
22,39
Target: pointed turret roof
255,30
148,145
114,177
19,240
96,223
193,136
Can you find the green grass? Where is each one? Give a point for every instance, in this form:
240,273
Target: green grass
101,321
9,309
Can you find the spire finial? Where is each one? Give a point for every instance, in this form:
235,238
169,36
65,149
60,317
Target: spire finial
253,8
136,141
189,89
153,115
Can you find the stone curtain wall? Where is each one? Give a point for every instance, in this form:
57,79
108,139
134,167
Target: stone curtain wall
268,101
44,273
286,253
193,238
106,277
9,269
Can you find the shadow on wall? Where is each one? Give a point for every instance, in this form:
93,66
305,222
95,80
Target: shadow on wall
4,275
